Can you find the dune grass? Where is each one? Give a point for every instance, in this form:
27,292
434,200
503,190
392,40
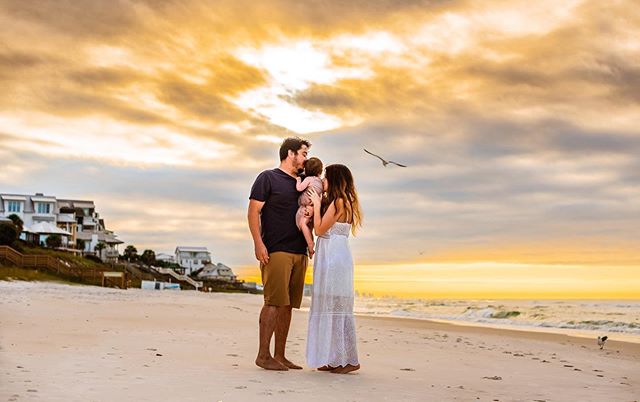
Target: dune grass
8,273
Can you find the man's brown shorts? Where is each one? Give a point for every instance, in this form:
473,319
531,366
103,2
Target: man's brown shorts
283,279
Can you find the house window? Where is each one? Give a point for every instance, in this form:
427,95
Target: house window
14,206
44,208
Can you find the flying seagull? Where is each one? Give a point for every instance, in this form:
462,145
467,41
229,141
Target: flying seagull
384,161
602,340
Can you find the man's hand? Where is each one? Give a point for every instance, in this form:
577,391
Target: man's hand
262,254
311,252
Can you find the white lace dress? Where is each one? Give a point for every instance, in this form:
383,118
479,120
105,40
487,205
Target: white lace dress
332,330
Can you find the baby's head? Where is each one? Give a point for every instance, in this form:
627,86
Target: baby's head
313,167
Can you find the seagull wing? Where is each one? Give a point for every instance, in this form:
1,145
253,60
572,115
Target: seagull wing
383,161
396,163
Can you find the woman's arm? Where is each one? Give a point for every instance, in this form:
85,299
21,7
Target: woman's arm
322,223
302,185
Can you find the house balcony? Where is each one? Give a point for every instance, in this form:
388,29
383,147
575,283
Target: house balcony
89,221
111,253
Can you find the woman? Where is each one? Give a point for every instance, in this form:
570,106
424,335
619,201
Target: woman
331,343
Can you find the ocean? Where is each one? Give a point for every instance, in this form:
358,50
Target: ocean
618,319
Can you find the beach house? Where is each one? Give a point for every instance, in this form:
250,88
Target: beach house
73,220
217,271
192,258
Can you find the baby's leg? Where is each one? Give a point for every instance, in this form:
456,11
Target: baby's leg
303,224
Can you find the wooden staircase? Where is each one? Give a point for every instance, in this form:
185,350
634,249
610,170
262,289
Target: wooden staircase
167,271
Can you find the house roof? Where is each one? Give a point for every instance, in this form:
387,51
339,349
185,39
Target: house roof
105,237
43,199
191,249
46,228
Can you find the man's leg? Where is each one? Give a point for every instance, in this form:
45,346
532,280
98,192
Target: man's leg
283,323
268,323
296,288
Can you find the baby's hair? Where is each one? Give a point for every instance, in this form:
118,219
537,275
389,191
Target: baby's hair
313,167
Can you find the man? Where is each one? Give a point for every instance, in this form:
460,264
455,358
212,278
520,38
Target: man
281,249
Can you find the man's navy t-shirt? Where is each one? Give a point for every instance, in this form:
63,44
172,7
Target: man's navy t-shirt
278,217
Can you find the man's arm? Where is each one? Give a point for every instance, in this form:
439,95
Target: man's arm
253,216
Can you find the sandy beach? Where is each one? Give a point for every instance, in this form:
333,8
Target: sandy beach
81,343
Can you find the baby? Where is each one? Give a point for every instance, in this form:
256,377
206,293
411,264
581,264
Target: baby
304,216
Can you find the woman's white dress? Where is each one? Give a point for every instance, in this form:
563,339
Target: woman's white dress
332,331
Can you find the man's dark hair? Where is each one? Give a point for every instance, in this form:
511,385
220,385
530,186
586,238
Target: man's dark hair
292,144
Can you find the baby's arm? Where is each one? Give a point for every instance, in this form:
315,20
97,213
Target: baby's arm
302,185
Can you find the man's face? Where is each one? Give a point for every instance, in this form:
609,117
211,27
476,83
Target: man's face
300,157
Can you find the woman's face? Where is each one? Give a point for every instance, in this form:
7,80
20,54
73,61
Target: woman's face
325,184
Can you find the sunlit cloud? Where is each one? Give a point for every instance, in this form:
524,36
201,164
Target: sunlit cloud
518,120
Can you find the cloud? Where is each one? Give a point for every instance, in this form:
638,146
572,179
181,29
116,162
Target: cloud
517,119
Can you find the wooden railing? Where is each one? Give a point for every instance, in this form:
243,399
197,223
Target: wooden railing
47,263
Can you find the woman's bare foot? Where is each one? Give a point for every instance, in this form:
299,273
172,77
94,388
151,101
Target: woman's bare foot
346,369
270,364
326,368
287,363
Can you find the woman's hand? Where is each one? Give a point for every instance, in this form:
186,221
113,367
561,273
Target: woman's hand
314,196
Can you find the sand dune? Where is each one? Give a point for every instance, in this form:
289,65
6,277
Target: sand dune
62,343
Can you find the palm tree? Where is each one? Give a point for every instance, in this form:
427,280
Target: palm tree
130,253
148,257
99,247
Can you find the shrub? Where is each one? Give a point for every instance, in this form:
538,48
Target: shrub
54,241
8,233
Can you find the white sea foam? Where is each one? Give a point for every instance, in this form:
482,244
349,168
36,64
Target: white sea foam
618,319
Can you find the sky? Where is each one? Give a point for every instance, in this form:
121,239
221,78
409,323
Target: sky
518,121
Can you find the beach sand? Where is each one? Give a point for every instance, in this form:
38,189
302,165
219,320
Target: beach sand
82,343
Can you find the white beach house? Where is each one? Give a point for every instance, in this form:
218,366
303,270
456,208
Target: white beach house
192,258
217,271
72,219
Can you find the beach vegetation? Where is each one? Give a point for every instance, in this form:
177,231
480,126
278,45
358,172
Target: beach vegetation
8,233
54,241
17,221
148,257
130,253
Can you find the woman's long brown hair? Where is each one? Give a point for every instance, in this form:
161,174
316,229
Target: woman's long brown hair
341,187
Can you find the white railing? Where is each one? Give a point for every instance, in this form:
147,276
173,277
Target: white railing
186,278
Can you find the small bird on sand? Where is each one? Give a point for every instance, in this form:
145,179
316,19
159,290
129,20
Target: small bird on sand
384,161
602,340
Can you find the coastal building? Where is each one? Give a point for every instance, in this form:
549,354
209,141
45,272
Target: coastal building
217,271
192,258
166,257
73,220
